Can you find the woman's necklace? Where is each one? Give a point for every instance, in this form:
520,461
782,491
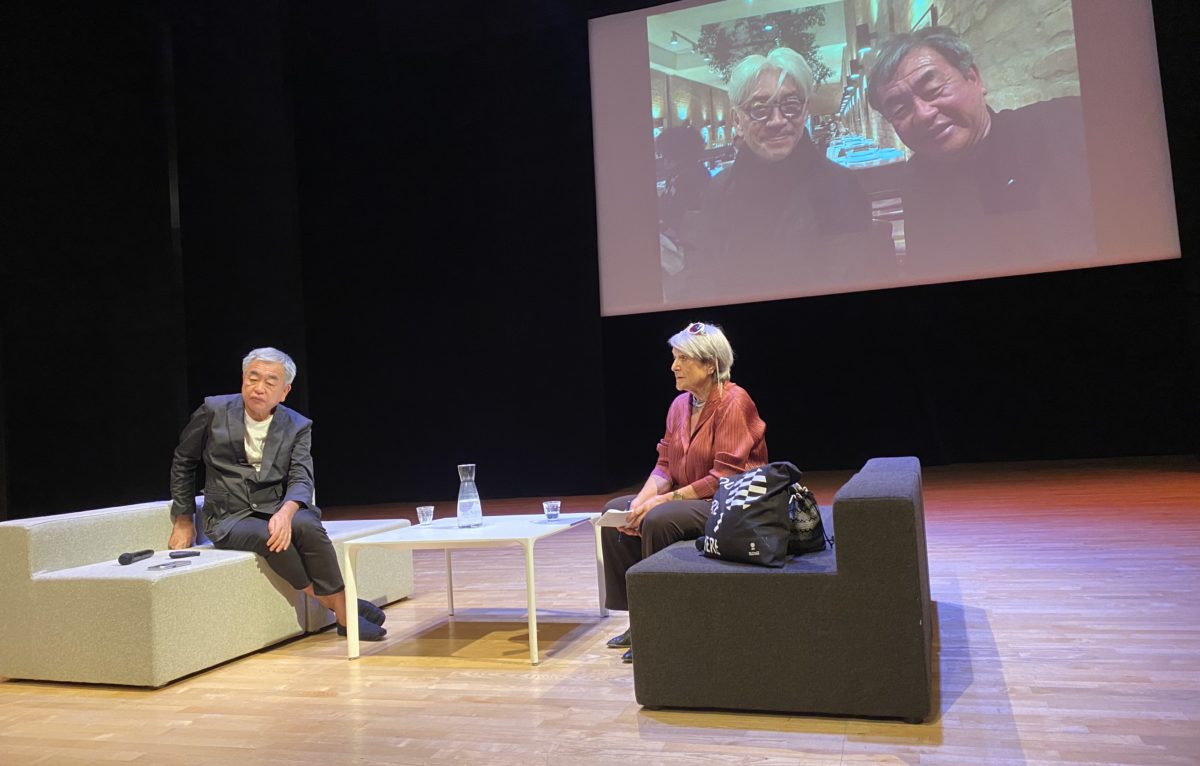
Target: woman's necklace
697,403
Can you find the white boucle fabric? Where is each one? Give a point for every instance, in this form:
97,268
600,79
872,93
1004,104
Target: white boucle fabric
72,613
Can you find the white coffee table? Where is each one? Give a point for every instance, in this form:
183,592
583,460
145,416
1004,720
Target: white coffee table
496,532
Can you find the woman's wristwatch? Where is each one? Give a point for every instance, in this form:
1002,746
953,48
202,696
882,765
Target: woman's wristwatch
676,495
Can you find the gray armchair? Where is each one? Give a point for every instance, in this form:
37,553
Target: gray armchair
843,632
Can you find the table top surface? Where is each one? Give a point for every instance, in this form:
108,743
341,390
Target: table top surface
495,529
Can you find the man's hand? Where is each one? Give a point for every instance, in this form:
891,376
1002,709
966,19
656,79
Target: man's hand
183,533
280,527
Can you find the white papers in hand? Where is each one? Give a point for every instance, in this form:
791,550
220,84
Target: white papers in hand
614,518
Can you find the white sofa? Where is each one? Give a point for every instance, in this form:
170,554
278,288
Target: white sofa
73,613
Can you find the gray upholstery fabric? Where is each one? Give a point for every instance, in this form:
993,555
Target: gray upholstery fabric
843,632
72,613
910,464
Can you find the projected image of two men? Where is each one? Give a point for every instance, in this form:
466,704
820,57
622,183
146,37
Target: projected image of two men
865,143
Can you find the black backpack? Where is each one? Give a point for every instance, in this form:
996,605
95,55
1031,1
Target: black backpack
762,516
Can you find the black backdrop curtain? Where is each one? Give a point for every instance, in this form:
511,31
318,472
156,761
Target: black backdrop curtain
405,203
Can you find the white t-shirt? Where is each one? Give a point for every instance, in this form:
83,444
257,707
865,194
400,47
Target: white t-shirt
256,434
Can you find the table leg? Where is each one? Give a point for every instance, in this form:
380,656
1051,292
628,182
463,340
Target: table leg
600,571
449,583
533,638
351,561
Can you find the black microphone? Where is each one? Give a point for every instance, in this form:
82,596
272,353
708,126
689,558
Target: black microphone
129,558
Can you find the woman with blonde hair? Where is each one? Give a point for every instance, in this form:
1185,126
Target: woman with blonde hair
713,430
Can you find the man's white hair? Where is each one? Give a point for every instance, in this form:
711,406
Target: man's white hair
786,61
274,356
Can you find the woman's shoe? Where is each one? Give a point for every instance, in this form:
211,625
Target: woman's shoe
628,656
622,641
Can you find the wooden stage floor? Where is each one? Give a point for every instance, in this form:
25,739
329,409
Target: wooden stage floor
1068,632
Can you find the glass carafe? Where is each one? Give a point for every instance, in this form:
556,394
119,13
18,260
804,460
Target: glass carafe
470,512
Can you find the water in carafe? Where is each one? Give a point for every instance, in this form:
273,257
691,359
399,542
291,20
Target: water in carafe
470,512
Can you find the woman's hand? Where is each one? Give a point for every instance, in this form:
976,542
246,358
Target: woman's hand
637,512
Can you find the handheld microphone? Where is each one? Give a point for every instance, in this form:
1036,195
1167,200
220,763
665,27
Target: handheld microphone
128,558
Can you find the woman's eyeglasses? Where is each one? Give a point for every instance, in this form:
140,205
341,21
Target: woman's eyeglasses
696,328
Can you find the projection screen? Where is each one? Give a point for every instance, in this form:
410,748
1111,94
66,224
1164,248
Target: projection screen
1007,137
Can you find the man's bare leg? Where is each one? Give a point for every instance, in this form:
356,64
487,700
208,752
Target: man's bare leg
336,602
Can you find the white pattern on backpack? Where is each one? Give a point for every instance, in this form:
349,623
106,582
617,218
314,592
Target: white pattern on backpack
742,490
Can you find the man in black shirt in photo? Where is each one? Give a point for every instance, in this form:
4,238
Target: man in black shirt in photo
985,192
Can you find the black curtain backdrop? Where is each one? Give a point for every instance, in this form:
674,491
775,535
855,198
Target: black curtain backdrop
239,211
1176,28
403,199
93,351
452,287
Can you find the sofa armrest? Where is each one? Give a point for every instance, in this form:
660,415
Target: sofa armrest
50,543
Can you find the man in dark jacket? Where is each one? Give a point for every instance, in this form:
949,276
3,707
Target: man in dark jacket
258,486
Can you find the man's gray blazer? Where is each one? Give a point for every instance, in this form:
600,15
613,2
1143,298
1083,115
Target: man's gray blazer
233,490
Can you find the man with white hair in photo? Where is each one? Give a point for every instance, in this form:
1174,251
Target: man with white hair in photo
774,216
